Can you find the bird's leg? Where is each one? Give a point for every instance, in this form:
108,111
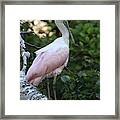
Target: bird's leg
54,88
48,89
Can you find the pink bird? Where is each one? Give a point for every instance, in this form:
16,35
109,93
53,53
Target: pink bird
51,59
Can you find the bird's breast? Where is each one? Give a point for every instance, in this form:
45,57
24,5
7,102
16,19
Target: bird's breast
47,62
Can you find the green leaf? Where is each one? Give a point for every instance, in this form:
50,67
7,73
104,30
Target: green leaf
65,78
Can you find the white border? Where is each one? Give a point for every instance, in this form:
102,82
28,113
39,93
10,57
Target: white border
106,15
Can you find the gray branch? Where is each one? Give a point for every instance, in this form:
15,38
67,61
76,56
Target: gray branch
27,91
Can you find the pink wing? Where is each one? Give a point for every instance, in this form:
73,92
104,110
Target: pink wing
46,62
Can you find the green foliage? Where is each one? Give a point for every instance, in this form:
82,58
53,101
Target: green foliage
80,80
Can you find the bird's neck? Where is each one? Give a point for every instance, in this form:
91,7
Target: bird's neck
63,30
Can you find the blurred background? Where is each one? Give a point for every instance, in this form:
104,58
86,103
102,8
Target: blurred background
80,80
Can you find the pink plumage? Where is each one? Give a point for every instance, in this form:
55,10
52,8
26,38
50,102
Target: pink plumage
47,63
50,60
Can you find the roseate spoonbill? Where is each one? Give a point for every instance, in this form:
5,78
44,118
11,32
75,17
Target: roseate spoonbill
50,59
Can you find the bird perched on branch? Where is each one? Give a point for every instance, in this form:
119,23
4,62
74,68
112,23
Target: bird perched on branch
51,59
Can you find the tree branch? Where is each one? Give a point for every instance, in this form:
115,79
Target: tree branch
27,91
31,45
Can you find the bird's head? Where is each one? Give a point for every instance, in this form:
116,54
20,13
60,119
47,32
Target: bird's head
57,22
61,22
66,24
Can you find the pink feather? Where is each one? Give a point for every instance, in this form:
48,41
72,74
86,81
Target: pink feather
47,62
50,59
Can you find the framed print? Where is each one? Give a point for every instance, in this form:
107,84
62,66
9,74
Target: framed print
60,59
